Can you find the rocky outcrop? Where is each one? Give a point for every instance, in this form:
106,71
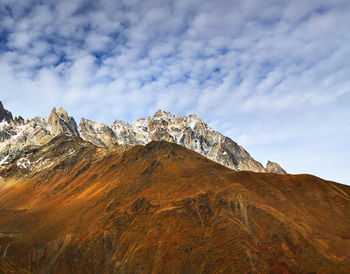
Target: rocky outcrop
61,123
97,133
17,134
5,114
273,167
14,138
18,121
188,131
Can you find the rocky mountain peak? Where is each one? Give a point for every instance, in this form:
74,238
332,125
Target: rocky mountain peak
161,114
140,122
63,114
96,133
5,114
188,131
273,167
61,123
194,117
18,121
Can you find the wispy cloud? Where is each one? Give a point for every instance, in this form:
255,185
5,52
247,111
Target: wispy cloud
263,72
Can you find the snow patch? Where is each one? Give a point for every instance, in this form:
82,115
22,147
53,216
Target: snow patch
4,124
3,161
23,163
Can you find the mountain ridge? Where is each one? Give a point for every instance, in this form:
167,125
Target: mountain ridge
188,131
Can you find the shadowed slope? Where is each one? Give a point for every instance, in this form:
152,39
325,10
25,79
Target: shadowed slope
162,208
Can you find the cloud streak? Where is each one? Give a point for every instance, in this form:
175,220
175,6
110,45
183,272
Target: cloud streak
253,69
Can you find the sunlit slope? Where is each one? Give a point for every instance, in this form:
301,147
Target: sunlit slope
164,209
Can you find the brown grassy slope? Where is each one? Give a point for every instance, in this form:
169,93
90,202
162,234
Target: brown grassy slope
164,209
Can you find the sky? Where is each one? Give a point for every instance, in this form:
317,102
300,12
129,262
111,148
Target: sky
273,75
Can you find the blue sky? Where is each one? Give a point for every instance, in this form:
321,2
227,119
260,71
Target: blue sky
273,75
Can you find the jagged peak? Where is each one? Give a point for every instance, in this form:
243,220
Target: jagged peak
140,122
18,121
5,114
159,112
61,110
53,110
189,131
120,122
194,116
162,114
194,119
53,115
83,120
63,113
60,122
273,167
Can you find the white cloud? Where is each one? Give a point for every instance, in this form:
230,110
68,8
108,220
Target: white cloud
19,39
81,73
97,42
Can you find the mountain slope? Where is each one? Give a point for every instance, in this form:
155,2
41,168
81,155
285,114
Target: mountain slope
163,208
190,132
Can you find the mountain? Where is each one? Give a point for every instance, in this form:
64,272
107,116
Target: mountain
190,132
16,134
5,114
273,167
69,206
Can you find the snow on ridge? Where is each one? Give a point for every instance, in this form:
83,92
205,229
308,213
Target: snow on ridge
3,124
3,161
23,163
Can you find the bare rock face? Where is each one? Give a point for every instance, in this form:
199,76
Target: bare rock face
5,114
61,123
273,167
7,117
97,133
18,121
14,138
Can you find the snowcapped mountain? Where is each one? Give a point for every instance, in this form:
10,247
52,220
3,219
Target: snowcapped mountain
188,131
